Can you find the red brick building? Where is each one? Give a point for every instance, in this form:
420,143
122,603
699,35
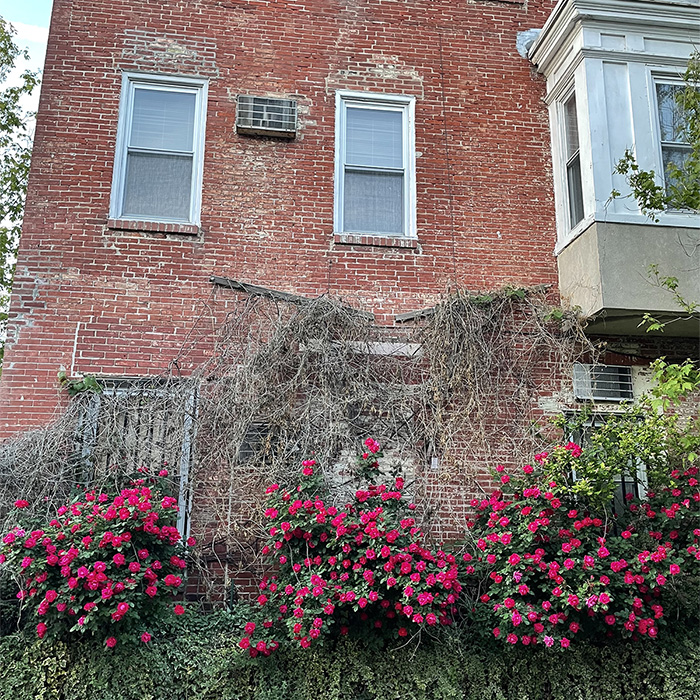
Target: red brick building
97,293
385,152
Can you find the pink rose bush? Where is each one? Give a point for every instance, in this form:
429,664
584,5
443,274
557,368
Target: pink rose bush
544,564
553,568
360,567
107,565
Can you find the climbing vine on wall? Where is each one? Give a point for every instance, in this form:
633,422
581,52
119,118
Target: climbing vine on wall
448,394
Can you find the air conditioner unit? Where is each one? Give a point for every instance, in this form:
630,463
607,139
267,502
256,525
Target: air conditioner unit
602,383
266,116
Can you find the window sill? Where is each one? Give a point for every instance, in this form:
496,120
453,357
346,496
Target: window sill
572,234
154,227
359,239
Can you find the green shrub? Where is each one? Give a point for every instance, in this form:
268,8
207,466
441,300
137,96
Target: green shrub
197,658
361,569
107,565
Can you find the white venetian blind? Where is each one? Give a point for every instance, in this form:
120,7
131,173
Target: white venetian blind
160,155
373,199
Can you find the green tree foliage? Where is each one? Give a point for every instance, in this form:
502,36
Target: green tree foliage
15,153
682,188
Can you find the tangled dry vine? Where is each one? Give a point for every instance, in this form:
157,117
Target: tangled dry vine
464,386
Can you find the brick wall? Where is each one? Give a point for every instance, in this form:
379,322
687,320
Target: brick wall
94,298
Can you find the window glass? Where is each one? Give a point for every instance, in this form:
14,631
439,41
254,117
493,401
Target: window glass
571,121
374,138
158,164
671,117
157,186
163,120
673,129
374,202
374,165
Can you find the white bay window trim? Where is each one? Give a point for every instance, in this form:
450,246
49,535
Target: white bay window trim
571,156
613,53
160,145
669,136
392,212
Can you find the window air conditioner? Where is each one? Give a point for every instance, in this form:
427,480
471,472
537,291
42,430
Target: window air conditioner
602,383
266,116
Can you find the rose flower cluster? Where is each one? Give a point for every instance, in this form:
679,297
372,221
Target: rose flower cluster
359,568
106,565
552,570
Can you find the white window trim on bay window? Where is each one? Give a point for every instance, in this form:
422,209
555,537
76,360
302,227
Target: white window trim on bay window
181,141
612,51
573,177
571,157
664,143
399,162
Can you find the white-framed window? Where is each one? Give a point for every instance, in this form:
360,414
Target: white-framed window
572,160
605,388
672,126
375,186
160,149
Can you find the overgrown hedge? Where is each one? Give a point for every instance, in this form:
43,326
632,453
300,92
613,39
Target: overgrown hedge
199,660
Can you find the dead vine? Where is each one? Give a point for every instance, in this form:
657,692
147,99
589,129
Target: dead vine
447,396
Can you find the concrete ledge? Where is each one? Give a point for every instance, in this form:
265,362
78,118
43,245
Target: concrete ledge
606,272
377,241
153,227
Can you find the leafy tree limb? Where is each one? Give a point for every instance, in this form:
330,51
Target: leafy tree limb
15,154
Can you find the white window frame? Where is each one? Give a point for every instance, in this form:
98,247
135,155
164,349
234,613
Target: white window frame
565,231
405,104
660,78
130,82
565,158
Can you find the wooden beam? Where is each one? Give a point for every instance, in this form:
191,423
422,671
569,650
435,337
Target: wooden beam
256,290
